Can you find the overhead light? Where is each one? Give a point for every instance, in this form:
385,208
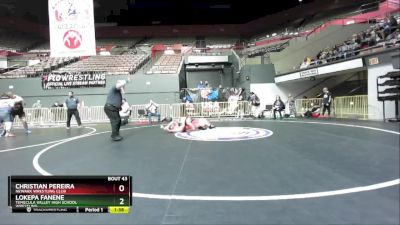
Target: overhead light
274,34
300,0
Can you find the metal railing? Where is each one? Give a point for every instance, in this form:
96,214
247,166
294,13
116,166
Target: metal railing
95,114
355,107
351,107
343,107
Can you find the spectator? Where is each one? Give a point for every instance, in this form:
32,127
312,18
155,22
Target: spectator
125,112
392,22
278,106
152,110
227,93
18,110
188,98
255,104
326,101
57,113
292,106
113,106
7,102
221,94
213,95
206,85
372,39
56,104
200,85
382,31
233,101
37,106
72,105
242,94
305,63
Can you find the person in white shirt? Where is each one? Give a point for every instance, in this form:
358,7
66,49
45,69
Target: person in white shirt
7,102
152,110
233,101
125,112
37,113
305,63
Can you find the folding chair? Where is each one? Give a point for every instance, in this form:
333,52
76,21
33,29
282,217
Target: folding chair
268,108
142,114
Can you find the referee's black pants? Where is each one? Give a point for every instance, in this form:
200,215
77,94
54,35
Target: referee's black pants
112,113
73,112
326,107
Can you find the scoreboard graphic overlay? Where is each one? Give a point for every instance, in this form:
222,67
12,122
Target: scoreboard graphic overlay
70,194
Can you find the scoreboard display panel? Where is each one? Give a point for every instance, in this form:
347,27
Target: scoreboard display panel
70,194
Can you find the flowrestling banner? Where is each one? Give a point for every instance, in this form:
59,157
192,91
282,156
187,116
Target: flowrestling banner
72,31
67,80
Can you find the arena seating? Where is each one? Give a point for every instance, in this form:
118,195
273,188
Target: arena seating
261,50
171,41
221,42
42,47
120,64
166,64
16,41
47,65
383,34
121,42
127,42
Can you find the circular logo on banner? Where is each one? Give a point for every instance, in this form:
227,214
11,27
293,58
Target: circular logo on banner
72,39
225,134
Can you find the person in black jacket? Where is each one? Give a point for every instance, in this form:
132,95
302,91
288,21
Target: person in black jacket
278,106
326,101
113,106
255,104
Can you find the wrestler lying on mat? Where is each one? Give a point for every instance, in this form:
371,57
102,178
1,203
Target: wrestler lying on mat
185,124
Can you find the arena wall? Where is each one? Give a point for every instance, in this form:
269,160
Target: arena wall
159,88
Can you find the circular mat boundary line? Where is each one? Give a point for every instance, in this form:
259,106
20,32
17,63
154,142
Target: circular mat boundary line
241,198
269,197
37,145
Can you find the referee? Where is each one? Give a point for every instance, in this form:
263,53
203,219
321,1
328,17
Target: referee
72,104
326,101
113,106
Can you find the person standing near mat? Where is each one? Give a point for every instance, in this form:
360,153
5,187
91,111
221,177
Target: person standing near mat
125,112
326,101
113,106
291,103
7,102
18,110
72,104
255,104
